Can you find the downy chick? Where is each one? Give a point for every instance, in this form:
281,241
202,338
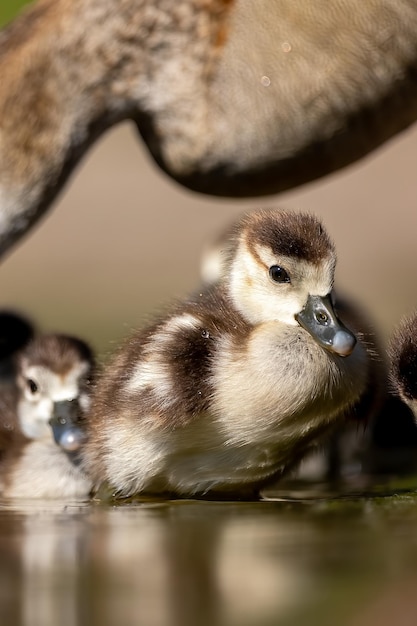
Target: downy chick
42,427
231,388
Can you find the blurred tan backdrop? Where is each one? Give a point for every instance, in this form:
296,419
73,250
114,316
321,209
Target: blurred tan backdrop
123,239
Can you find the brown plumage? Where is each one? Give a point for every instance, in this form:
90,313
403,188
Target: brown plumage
53,373
352,446
232,98
402,352
230,388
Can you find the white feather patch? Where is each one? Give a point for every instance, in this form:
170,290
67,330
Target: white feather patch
153,371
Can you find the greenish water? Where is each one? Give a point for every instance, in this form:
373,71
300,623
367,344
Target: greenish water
348,561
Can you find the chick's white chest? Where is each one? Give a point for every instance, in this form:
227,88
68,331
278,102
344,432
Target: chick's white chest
269,396
282,383
44,471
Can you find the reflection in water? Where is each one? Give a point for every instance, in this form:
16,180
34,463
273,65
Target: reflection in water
43,548
50,559
193,563
186,563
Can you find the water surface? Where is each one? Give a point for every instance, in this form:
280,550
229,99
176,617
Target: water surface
318,561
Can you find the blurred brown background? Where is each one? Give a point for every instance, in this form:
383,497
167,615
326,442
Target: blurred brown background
123,239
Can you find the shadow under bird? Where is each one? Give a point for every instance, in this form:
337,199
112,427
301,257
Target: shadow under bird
231,97
42,420
229,389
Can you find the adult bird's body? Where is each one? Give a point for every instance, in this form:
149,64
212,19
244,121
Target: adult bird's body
232,97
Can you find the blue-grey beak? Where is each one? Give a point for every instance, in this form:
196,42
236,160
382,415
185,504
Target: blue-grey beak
65,424
320,320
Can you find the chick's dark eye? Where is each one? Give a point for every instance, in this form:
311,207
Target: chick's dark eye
32,386
278,274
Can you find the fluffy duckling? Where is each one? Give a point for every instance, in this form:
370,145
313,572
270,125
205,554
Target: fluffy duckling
341,454
230,388
392,434
41,428
402,352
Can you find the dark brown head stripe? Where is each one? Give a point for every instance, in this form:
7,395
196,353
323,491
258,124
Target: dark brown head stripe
59,353
288,234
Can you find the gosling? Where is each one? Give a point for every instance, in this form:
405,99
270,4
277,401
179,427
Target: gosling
41,420
230,389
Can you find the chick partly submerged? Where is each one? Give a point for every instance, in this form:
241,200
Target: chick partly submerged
231,388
